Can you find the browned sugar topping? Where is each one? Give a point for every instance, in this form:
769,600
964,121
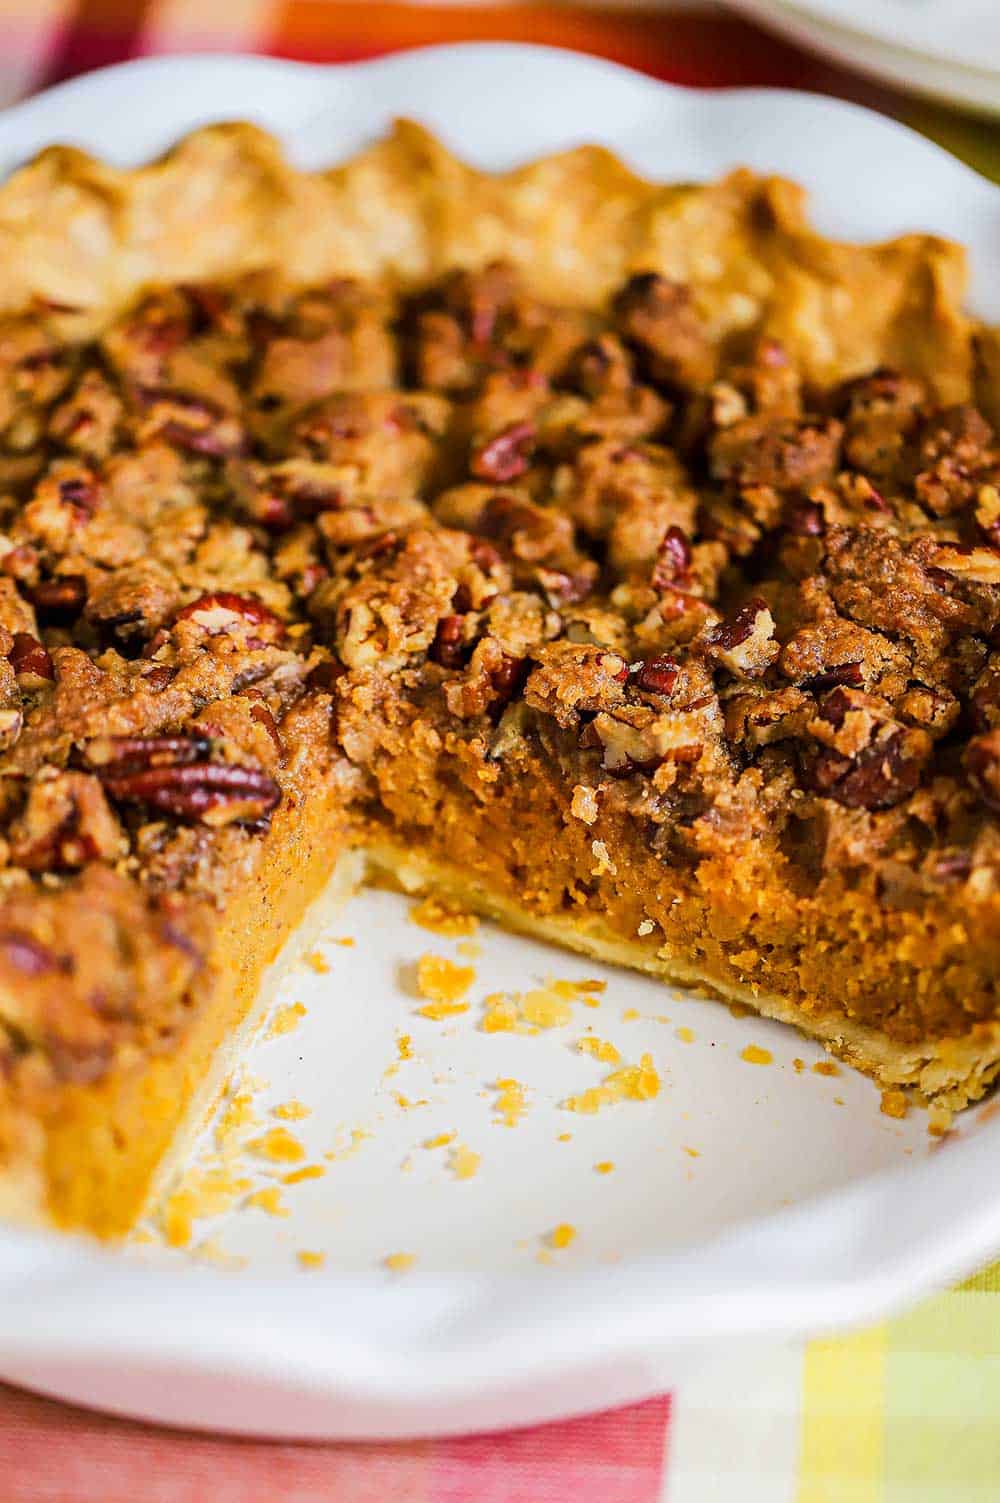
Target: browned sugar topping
253,535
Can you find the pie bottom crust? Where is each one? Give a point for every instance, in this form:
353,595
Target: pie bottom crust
951,1071
113,1146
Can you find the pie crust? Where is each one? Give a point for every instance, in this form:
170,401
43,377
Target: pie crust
621,560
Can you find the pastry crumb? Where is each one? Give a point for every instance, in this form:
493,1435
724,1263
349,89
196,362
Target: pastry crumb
599,1049
510,1104
562,1235
443,982
754,1055
286,1019
604,1167
308,1171
686,1035
267,1200
291,1111
631,1083
440,1140
434,914
278,1145
399,1262
825,1067
893,1104
307,1259
317,962
463,1162
348,1150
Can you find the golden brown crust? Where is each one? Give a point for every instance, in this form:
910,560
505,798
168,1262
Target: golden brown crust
634,547
225,202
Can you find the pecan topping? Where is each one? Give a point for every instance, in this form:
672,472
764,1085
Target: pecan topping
673,560
172,773
745,643
448,647
506,455
868,761
657,675
30,661
60,599
24,953
66,823
325,675
982,763
223,611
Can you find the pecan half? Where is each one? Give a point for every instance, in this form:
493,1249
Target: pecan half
223,611
171,774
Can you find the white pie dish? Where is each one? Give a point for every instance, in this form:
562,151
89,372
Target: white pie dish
478,1334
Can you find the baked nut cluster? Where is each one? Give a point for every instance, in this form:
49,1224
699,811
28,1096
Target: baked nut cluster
253,535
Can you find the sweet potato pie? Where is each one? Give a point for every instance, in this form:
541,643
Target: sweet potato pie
620,560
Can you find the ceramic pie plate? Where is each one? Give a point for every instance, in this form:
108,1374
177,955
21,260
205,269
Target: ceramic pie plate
746,1201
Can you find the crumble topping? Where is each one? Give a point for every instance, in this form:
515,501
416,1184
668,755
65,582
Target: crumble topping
254,538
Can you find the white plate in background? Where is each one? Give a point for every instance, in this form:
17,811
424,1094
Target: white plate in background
946,49
802,1209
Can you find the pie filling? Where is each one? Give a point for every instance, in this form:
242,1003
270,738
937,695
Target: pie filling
658,616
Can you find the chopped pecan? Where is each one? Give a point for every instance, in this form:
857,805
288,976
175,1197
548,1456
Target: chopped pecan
656,675
867,760
658,318
976,564
982,764
744,643
30,661
60,599
66,823
28,955
129,605
672,568
191,422
325,675
448,647
506,455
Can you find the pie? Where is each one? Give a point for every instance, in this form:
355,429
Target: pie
619,560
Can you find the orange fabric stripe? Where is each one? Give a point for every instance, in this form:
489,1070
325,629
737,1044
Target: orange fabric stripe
689,47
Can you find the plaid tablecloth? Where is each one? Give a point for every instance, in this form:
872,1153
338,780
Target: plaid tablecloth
906,1413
